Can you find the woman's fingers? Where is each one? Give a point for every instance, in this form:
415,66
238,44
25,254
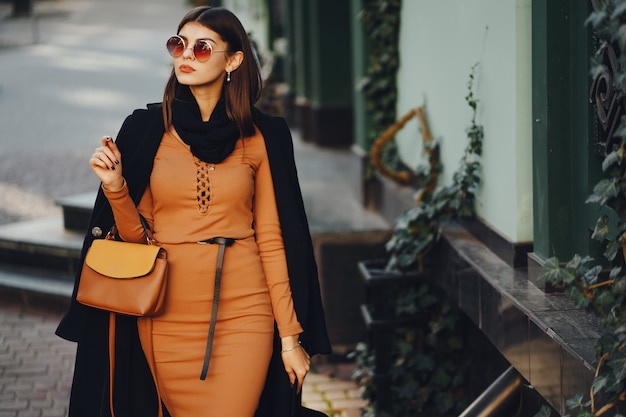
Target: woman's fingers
108,142
297,364
105,162
107,154
292,377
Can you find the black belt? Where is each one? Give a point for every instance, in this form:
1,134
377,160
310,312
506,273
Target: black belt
223,242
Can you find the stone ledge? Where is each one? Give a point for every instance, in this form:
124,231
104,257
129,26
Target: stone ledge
544,336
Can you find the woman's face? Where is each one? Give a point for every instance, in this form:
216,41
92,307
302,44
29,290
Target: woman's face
189,71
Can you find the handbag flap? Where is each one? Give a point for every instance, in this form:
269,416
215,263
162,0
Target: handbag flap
117,259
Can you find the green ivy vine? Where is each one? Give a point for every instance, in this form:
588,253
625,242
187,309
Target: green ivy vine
418,229
588,282
429,371
428,374
380,20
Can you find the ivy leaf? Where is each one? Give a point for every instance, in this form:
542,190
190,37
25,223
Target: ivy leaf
591,276
575,402
606,343
575,262
619,286
619,10
603,191
619,368
613,158
544,412
587,259
604,300
574,294
612,249
615,272
599,383
596,18
602,229
621,129
552,273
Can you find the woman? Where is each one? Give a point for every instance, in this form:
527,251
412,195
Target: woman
204,165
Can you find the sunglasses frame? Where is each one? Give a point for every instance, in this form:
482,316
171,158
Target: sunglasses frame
202,42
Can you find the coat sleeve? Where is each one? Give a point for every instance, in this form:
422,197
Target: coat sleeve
73,321
135,395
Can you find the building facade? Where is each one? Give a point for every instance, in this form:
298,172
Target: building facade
544,139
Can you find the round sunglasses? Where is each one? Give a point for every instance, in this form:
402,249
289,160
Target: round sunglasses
202,49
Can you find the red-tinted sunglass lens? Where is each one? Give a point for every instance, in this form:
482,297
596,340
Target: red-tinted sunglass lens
175,46
202,50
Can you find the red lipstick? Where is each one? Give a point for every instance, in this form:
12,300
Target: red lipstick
186,69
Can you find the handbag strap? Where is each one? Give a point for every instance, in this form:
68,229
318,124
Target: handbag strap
223,242
146,228
111,359
112,323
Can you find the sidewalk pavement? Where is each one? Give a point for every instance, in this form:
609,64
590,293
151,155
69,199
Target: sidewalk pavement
35,365
36,369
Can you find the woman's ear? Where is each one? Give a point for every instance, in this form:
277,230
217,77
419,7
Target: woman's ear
234,61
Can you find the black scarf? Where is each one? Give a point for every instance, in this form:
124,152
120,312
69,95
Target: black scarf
210,141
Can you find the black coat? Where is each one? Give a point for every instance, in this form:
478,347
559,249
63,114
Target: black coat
134,391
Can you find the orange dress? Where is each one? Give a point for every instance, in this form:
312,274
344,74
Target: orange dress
189,201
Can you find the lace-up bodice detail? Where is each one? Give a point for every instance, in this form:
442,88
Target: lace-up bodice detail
203,184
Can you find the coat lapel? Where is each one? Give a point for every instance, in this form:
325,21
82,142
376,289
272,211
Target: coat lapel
142,146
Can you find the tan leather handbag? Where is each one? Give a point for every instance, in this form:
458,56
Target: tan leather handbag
123,277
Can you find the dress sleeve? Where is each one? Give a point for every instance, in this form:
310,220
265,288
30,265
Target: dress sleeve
272,250
126,214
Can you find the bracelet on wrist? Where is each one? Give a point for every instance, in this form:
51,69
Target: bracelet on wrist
292,347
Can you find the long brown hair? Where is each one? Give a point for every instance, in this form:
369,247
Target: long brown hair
245,85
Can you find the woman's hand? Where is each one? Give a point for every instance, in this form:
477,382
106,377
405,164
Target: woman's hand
106,164
296,360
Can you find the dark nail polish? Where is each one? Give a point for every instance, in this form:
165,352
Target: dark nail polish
117,162
113,168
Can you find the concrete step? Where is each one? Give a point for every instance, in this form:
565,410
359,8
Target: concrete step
77,211
49,245
41,244
39,258
35,287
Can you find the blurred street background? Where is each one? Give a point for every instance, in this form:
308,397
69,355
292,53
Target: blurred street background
68,76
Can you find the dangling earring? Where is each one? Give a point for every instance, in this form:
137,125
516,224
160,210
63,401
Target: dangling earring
228,76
